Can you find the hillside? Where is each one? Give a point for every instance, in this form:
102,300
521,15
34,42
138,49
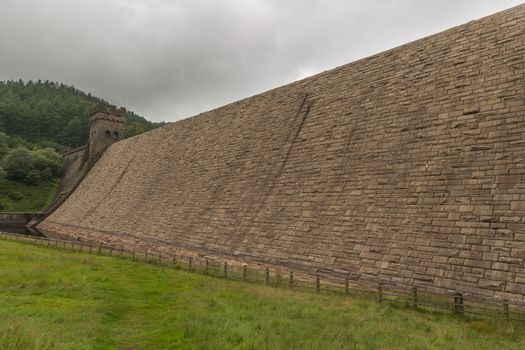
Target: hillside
16,196
37,121
54,299
51,113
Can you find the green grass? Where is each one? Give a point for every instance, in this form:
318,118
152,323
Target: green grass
53,299
19,197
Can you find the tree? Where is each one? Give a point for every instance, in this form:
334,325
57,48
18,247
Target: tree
47,162
33,177
18,163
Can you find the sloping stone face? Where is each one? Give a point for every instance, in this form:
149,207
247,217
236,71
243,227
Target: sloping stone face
405,167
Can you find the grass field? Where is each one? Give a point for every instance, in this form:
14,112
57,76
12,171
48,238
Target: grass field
54,299
19,197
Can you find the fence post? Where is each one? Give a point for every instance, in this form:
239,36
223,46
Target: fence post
347,289
90,248
291,279
207,266
174,260
414,297
267,276
506,313
111,251
133,254
146,255
317,282
190,260
380,294
458,303
160,258
225,269
244,272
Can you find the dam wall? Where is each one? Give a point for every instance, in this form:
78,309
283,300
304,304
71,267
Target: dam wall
73,162
406,167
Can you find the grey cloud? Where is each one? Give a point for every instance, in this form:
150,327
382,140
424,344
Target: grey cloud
170,59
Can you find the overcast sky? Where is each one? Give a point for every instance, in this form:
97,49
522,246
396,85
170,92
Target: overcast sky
171,59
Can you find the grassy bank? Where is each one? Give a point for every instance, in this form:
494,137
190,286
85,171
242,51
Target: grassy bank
51,299
20,197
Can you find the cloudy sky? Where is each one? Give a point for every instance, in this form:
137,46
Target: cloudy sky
171,59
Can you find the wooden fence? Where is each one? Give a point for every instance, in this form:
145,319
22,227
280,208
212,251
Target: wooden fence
456,303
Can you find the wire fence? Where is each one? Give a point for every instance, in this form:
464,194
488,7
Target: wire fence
456,303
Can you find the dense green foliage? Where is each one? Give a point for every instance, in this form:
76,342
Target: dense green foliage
53,299
29,165
48,113
29,175
37,119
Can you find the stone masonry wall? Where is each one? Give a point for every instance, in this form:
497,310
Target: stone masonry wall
103,122
73,162
407,167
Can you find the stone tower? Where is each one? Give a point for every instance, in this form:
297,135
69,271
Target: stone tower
107,125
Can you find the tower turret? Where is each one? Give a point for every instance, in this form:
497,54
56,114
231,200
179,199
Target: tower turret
107,125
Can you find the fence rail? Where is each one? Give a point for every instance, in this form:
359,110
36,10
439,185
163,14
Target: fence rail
456,303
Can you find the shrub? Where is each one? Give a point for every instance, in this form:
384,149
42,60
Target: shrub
33,177
18,163
32,166
46,174
47,161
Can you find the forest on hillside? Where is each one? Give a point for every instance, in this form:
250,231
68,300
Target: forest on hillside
52,114
38,120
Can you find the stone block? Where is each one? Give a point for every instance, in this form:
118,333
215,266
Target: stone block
490,284
515,288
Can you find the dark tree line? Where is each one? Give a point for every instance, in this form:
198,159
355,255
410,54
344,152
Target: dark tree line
51,114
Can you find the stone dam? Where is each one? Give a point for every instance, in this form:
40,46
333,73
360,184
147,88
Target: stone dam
406,167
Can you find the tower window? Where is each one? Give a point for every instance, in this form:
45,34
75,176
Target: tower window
108,134
115,135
